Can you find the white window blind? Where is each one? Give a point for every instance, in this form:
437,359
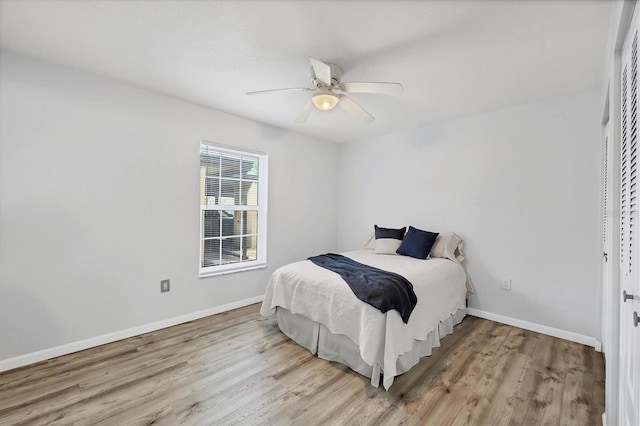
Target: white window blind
233,209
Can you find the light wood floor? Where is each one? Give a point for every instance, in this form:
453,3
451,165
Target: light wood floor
237,368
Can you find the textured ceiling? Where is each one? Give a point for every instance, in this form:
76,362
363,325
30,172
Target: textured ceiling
454,58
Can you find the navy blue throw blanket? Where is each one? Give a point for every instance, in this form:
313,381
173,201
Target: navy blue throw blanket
381,289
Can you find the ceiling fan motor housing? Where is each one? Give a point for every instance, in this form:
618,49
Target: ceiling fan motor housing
336,75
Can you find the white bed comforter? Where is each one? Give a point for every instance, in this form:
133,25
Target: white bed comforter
323,296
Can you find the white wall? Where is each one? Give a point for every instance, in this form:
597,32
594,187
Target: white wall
99,202
520,185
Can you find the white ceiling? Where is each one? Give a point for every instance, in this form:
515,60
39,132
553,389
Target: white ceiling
454,58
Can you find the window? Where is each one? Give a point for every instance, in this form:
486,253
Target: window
233,210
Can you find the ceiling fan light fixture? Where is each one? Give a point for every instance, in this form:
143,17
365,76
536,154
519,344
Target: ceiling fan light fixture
325,100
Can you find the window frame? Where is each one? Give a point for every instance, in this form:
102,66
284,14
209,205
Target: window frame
261,208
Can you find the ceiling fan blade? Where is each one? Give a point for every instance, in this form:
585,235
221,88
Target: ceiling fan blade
293,89
354,109
306,111
372,87
322,71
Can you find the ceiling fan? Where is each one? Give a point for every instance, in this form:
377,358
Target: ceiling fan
328,91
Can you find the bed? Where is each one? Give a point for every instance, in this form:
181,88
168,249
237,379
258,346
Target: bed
316,308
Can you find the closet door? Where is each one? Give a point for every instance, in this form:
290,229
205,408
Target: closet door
629,357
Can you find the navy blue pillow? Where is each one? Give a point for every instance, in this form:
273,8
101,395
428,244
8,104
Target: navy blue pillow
396,234
417,243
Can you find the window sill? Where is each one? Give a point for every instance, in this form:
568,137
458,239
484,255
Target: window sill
232,269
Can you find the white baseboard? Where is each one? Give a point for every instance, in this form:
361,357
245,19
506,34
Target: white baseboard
538,328
30,358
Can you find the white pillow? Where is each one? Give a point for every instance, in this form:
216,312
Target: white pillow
388,239
448,245
387,245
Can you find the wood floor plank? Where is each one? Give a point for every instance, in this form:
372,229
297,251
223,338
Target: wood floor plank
538,396
441,400
30,377
578,388
154,411
113,401
595,369
210,393
342,396
300,381
238,368
336,378
468,334
488,401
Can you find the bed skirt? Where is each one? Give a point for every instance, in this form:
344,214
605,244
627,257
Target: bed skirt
317,338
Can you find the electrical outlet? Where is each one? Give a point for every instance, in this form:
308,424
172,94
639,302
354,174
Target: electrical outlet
506,284
165,286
